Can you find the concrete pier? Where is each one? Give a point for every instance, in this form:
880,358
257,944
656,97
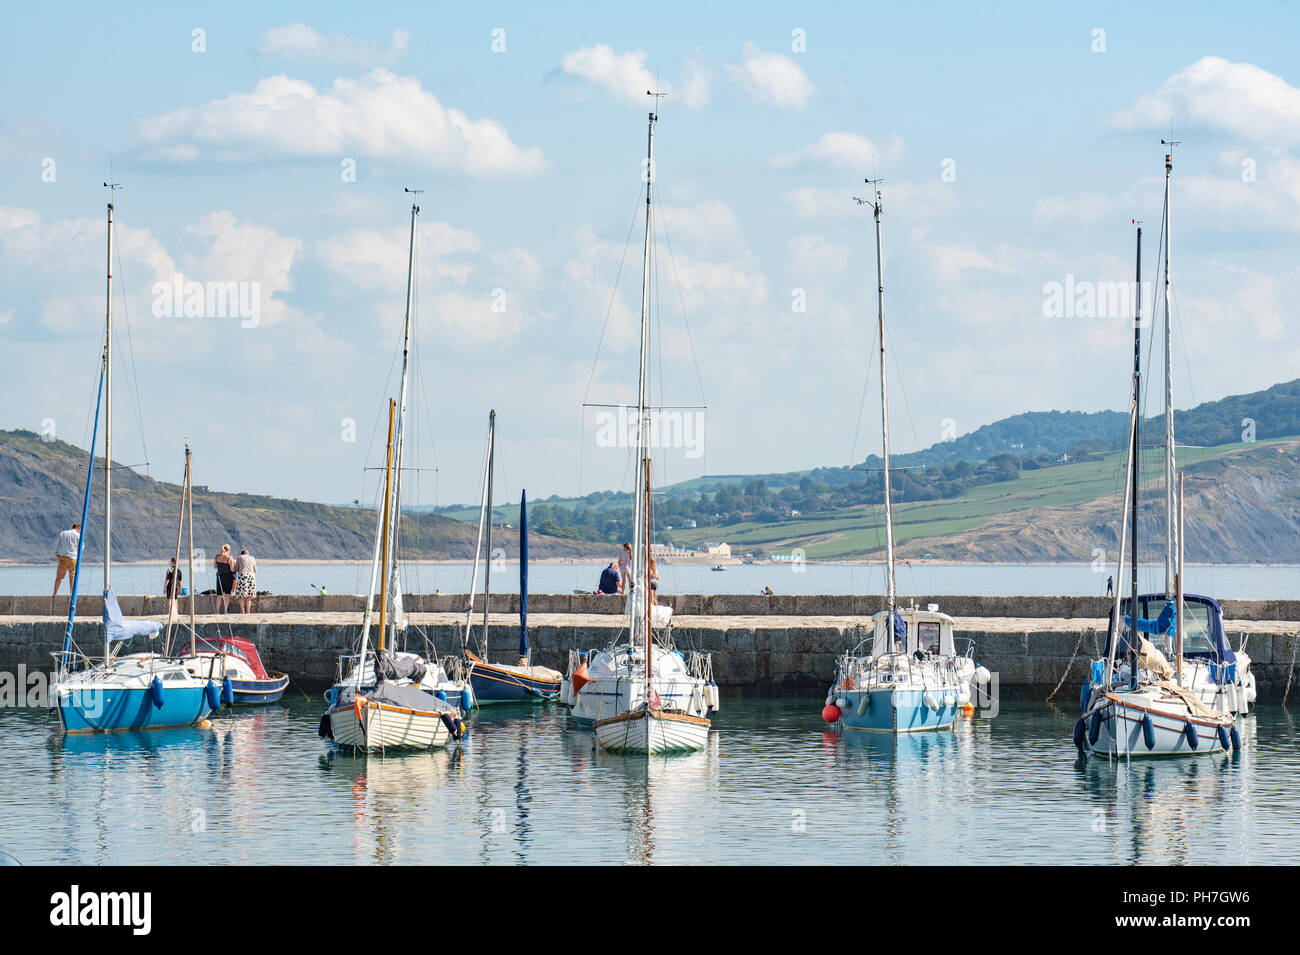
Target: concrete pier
761,646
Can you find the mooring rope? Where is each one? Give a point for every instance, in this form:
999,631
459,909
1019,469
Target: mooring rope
1290,672
1069,665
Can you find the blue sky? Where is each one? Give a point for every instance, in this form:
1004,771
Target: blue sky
232,159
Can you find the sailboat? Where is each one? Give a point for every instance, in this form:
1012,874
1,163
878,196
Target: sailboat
520,682
141,691
388,698
1133,702
646,674
912,678
1218,675
231,661
649,725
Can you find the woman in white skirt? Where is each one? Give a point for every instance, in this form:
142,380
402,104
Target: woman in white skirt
245,580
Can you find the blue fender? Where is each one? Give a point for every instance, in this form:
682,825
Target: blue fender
1189,730
1078,733
228,691
1148,731
1223,737
1085,694
212,695
1236,739
442,695
1094,726
156,692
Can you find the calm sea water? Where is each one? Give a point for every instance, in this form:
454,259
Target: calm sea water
525,786
1255,583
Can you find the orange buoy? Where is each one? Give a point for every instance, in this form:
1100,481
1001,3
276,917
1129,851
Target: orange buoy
581,677
831,713
968,709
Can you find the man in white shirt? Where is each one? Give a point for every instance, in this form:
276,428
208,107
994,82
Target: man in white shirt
65,551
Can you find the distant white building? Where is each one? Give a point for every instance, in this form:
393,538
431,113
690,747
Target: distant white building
717,550
689,522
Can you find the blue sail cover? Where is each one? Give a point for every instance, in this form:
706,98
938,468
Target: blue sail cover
1166,623
523,574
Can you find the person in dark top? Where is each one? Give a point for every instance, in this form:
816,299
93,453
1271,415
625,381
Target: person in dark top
609,579
172,588
225,565
1110,586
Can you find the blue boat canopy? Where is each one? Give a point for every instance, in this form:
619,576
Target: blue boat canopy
116,628
1203,638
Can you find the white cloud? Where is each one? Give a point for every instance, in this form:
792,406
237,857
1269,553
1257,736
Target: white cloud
844,151
300,43
709,219
1083,209
379,115
696,78
1238,98
771,79
623,75
817,254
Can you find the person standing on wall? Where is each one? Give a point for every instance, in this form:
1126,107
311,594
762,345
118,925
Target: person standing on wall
245,580
65,552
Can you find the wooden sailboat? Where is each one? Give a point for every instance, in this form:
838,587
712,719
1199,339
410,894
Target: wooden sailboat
378,713
646,670
139,691
389,697
495,682
905,682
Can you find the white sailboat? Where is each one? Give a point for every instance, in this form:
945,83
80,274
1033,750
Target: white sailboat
650,724
1138,707
388,698
645,674
1218,675
139,691
912,677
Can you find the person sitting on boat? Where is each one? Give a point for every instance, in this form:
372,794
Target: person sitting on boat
610,582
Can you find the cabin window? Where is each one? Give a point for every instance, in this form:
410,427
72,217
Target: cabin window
1196,628
927,637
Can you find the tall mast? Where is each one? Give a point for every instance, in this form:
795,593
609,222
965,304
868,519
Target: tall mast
108,418
641,546
383,547
1135,457
1171,505
108,410
877,209
487,569
395,589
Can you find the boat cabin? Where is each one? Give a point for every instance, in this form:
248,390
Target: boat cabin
1203,636
914,631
